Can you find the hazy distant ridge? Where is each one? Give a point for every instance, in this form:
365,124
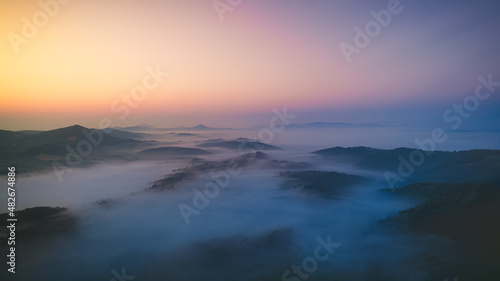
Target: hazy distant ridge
202,127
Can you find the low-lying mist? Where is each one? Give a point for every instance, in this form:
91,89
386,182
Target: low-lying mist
252,228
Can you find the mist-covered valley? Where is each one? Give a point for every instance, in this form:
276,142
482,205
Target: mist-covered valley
304,204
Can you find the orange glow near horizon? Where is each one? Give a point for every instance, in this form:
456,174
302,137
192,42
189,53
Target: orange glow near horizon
90,53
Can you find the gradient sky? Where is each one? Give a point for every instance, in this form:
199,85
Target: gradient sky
264,55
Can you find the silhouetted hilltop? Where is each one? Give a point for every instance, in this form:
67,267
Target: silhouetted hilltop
199,165
359,151
126,135
162,152
445,199
479,165
6,135
141,127
287,165
467,213
16,142
39,221
326,183
184,134
238,144
199,127
62,133
36,150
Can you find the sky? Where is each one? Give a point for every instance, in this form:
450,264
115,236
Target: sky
76,62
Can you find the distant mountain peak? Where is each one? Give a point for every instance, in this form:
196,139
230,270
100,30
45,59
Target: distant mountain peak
140,127
72,128
200,126
145,126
